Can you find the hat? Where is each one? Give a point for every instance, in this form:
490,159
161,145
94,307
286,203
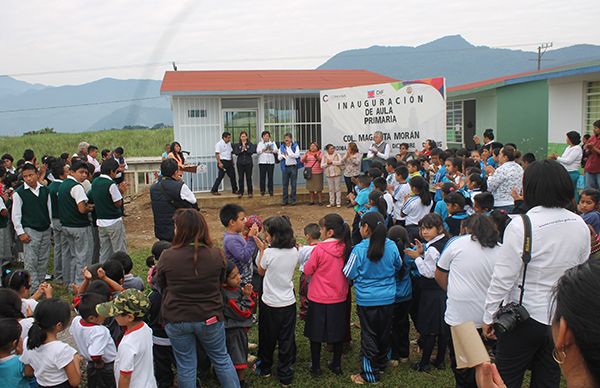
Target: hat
130,301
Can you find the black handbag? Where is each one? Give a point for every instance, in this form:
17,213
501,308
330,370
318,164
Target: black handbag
308,171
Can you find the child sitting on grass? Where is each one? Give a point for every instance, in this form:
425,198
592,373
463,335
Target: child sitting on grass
239,303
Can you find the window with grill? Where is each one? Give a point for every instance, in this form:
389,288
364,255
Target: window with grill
298,115
454,122
592,106
196,112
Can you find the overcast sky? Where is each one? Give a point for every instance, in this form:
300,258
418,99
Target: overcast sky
56,36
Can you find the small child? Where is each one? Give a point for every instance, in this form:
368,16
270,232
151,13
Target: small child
157,249
454,172
129,280
239,303
94,342
475,185
360,201
401,192
277,311
483,203
240,251
414,166
312,232
588,208
20,281
10,307
527,159
417,206
476,156
455,203
377,204
390,168
53,362
331,164
440,206
372,267
134,365
11,369
432,299
381,185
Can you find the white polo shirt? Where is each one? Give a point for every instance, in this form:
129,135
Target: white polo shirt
93,340
48,361
469,267
223,149
135,357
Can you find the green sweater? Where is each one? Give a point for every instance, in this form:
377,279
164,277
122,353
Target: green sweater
53,187
67,207
100,196
34,211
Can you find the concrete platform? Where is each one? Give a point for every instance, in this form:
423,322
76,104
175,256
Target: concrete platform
210,201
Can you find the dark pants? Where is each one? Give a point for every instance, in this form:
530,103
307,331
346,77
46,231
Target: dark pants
349,184
230,171
529,345
400,330
465,377
375,327
101,377
276,327
290,178
164,362
245,171
266,177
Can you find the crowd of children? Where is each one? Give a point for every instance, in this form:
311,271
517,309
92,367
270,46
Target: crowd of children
404,214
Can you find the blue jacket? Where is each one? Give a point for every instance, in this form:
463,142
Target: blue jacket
299,164
374,282
403,286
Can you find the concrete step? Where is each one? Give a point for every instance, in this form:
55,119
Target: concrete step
210,201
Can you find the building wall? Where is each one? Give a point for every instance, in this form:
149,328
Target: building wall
523,116
565,109
485,109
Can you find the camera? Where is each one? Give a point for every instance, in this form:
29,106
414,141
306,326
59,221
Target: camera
508,317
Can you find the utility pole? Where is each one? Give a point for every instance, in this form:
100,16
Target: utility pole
541,51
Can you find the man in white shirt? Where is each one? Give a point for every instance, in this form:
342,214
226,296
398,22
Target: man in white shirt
379,150
289,152
223,154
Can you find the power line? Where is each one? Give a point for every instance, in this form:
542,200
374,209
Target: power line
78,105
256,59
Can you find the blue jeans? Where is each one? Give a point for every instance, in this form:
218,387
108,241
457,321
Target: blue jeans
183,338
592,181
290,177
574,175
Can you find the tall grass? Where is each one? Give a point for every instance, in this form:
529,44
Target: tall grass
136,142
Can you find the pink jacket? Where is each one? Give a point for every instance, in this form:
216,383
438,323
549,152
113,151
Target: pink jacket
328,285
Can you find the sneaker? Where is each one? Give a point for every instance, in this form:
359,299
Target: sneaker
259,372
330,205
338,206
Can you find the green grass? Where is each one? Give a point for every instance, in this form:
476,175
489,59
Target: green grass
136,142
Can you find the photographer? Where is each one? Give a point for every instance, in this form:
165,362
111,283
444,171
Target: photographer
559,240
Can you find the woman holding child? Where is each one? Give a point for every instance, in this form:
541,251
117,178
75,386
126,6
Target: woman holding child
190,274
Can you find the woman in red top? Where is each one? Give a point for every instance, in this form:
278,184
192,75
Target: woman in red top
312,160
592,165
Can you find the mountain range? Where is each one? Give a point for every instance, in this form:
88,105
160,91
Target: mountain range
452,57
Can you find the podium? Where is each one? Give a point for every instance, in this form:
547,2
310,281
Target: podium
190,168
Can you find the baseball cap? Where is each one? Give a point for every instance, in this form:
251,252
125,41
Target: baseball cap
130,301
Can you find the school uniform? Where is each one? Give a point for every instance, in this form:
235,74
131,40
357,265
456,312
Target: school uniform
109,218
95,343
5,236
277,313
362,199
31,214
48,362
77,230
238,320
414,210
400,341
303,255
400,192
11,372
375,286
60,244
454,221
134,357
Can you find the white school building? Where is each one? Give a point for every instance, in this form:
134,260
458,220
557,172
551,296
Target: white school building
207,103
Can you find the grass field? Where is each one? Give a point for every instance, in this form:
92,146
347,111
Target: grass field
136,142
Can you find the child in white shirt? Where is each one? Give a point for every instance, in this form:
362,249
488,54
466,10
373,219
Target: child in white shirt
312,232
53,362
134,366
94,342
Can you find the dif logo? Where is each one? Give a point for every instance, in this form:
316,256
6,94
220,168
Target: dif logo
374,93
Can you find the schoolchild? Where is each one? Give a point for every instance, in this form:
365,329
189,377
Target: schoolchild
312,233
416,206
588,208
401,192
11,368
455,203
360,201
236,248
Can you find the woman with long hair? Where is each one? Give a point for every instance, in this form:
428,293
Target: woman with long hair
244,150
177,154
190,273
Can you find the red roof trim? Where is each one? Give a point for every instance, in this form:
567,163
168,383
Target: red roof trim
249,80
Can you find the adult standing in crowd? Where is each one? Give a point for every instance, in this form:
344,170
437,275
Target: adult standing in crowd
560,240
244,150
289,152
107,198
82,151
351,162
379,151
488,141
592,165
73,209
91,158
190,275
267,154
464,271
167,195
176,154
502,181
312,161
224,155
428,146
571,158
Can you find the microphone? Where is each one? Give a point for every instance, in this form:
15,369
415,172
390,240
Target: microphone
186,152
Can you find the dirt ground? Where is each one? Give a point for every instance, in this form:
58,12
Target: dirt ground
139,222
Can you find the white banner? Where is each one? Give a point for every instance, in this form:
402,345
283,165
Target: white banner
406,112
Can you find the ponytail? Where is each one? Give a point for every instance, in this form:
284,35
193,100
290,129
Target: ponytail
341,231
482,229
377,198
376,224
422,189
47,314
